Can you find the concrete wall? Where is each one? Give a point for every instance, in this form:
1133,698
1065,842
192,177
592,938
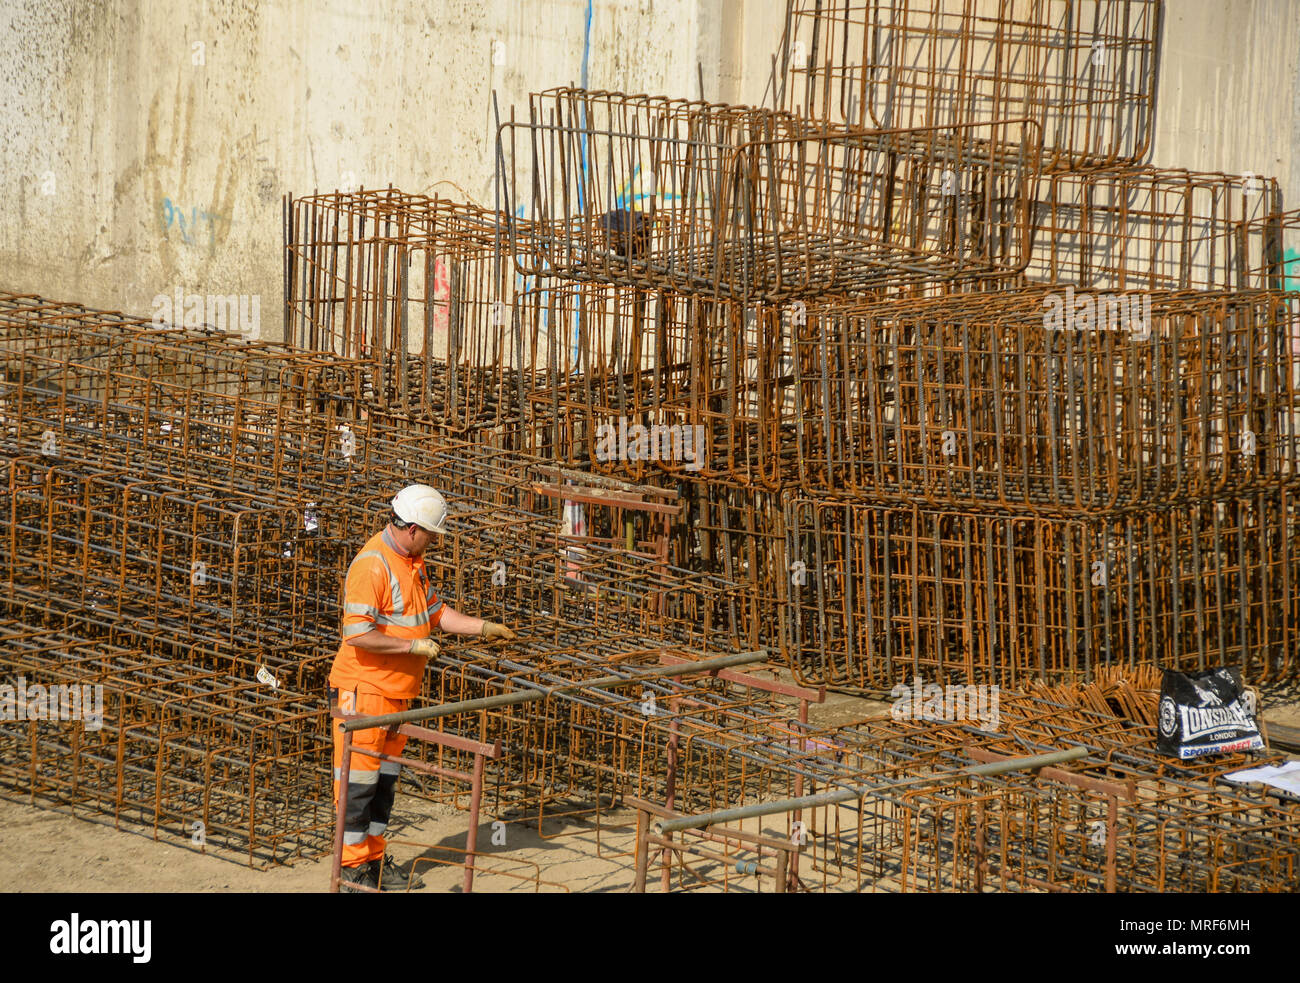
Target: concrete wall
145,144
1229,89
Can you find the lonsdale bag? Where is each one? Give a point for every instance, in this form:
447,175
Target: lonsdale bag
1206,713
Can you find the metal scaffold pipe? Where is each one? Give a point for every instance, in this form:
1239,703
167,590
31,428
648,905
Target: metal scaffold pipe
526,696
664,827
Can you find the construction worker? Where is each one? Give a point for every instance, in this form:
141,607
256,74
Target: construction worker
389,609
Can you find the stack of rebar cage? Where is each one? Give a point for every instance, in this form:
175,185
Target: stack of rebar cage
1091,463
182,508
919,375
980,395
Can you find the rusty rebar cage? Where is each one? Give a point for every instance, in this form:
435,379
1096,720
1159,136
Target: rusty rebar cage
634,382
754,205
1119,819
414,286
1147,228
918,379
192,754
1051,399
888,592
1084,70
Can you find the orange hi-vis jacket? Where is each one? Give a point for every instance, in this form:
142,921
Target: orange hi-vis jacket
391,593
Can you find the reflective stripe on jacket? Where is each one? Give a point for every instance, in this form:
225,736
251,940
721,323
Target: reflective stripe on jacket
390,593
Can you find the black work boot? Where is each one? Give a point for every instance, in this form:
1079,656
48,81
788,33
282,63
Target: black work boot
361,876
391,877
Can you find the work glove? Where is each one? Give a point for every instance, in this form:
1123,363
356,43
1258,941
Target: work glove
426,647
491,630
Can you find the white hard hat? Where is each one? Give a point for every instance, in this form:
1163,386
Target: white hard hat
420,505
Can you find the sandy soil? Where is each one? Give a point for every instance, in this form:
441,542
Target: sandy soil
44,849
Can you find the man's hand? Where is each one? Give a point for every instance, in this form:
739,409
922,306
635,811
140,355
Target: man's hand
426,647
491,631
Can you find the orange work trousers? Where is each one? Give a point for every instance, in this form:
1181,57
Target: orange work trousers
372,784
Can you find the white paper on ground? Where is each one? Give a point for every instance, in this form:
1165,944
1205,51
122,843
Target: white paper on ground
1286,777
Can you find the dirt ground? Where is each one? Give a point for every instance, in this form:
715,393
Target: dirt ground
44,849
47,849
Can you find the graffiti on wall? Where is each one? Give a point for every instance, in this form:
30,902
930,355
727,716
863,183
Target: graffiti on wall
196,226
